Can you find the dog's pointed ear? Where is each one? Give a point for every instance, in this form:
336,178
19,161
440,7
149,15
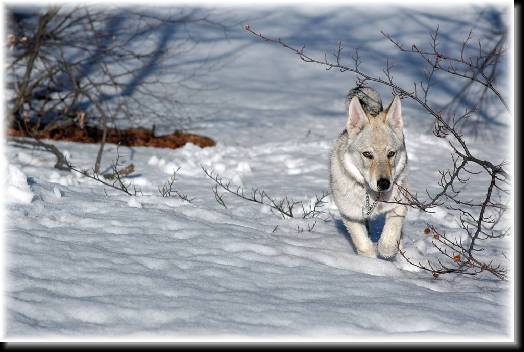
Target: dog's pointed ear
394,115
356,116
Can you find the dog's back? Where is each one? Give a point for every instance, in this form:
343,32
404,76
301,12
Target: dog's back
369,99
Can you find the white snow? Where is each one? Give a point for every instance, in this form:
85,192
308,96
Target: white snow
133,202
18,190
86,261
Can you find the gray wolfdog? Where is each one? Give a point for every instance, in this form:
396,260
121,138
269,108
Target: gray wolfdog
367,166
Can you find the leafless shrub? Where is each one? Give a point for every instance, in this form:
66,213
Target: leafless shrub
87,65
123,172
310,227
168,189
118,183
458,255
284,207
476,65
315,209
218,197
479,220
61,162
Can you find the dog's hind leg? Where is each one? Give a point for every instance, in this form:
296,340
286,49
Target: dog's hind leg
360,238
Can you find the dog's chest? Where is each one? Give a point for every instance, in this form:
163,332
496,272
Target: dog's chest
386,201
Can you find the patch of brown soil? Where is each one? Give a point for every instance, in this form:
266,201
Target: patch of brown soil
128,137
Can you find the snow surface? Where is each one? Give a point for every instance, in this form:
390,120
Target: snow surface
17,189
86,261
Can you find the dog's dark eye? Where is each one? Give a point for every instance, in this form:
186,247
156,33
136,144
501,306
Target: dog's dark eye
391,154
368,155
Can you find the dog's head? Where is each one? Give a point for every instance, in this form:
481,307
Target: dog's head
376,152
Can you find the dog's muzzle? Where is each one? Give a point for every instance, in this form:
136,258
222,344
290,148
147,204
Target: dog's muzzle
383,184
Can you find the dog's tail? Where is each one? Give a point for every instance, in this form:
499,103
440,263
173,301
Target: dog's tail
368,97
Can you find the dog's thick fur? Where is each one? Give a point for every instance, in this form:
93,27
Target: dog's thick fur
369,160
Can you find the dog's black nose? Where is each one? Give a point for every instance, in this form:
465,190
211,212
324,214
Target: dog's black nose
383,184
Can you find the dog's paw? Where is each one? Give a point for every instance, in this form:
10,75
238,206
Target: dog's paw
368,252
387,250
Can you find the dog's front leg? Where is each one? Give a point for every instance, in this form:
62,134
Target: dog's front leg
387,245
360,238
